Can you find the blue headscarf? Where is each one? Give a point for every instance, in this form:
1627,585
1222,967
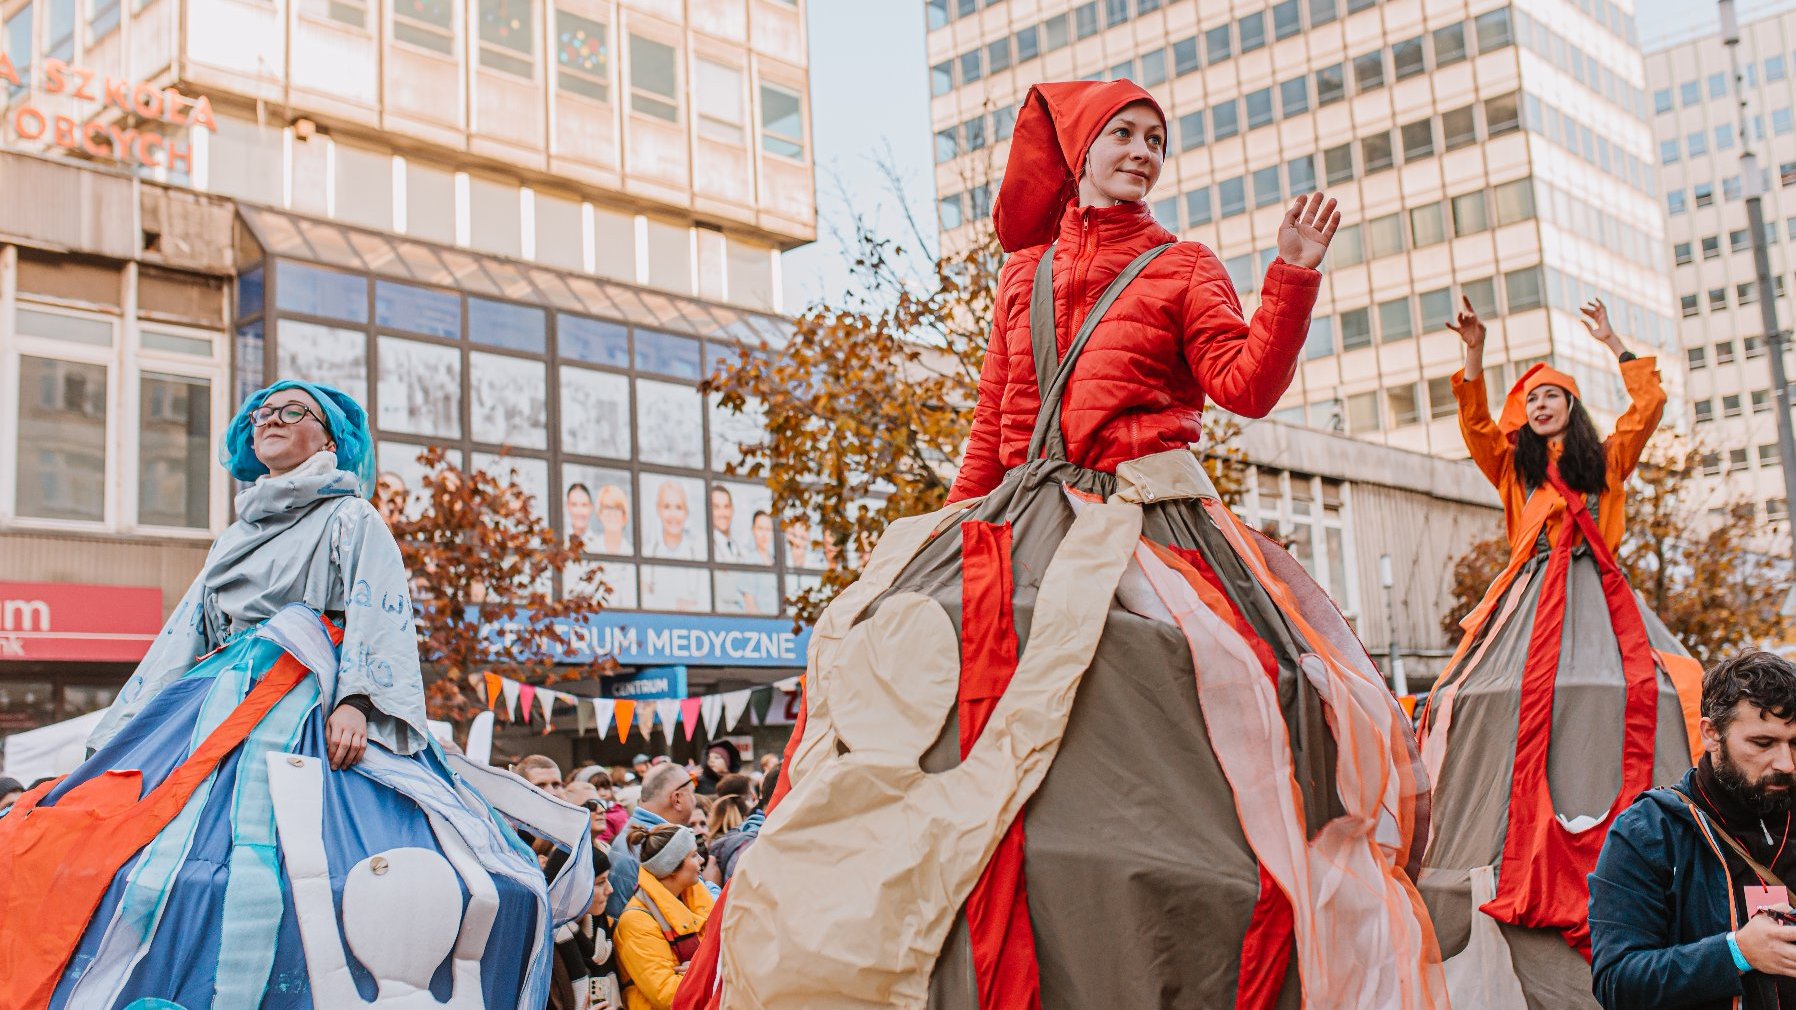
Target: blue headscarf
344,420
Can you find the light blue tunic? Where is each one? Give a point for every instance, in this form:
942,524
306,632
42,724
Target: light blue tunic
304,537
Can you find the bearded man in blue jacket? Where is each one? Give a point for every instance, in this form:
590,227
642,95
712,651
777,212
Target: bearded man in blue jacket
1676,899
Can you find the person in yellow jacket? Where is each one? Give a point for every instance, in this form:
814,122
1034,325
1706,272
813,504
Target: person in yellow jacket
658,932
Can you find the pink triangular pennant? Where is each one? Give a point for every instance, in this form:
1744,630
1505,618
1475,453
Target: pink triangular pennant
526,695
689,714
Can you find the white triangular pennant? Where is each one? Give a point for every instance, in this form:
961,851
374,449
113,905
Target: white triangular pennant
667,710
712,713
602,711
546,700
582,716
645,720
734,704
510,688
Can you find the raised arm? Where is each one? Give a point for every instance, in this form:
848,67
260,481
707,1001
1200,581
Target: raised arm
1490,450
1645,394
1246,366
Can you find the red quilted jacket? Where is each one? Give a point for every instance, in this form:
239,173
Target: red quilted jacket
1174,338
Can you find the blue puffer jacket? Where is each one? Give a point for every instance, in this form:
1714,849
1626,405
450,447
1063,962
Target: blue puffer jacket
1659,912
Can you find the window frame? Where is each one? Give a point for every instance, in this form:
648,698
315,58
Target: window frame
126,362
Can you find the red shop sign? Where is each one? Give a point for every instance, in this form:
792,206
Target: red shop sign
71,622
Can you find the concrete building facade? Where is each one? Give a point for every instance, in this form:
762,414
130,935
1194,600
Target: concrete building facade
1495,151
519,226
1696,125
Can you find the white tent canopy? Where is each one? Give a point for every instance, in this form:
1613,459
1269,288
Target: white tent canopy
49,750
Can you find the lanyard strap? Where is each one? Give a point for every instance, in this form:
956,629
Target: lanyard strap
1728,839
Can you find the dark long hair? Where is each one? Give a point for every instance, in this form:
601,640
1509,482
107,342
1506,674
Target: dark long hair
1581,464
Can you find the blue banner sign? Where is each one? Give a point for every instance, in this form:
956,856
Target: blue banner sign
648,684
635,639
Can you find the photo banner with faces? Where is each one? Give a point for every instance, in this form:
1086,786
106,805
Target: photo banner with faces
672,511
598,505
400,478
741,524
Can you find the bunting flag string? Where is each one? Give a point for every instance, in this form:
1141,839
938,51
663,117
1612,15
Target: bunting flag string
715,713
667,713
711,710
625,711
603,709
548,699
689,715
511,689
734,704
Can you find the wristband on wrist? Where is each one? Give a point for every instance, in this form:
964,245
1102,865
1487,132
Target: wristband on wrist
1627,356
1740,962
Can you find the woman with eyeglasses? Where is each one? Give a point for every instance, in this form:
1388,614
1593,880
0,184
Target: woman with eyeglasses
305,534
291,658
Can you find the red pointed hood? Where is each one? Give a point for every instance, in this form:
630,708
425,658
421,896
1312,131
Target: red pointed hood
1055,127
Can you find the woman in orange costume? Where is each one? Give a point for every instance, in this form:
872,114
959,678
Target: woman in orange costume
1562,703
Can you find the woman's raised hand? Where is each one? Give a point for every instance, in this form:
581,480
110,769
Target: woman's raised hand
1471,332
1469,327
1596,319
1309,226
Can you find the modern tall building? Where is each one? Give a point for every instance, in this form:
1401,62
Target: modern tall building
1496,151
1696,123
521,225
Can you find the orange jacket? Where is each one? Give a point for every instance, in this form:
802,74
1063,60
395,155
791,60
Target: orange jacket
1525,516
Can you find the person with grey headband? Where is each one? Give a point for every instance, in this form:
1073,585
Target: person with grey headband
659,930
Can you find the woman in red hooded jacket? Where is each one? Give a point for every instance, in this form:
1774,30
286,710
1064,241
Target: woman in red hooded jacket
1168,776
1082,160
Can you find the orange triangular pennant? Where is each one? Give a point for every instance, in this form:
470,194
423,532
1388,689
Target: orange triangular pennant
625,710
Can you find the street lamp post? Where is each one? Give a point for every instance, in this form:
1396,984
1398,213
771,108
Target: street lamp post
1752,187
1399,682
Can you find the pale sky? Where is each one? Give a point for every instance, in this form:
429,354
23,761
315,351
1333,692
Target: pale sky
870,102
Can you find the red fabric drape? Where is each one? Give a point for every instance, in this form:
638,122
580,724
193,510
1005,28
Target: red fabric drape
1002,937
1266,948
1542,884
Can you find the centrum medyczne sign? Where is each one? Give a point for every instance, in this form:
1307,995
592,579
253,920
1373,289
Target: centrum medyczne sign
146,101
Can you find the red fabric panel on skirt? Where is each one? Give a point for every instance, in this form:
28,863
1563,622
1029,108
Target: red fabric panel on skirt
70,853
1266,948
1543,880
1002,937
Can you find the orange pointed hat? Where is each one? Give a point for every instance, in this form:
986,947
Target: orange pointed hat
1054,128
1515,407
